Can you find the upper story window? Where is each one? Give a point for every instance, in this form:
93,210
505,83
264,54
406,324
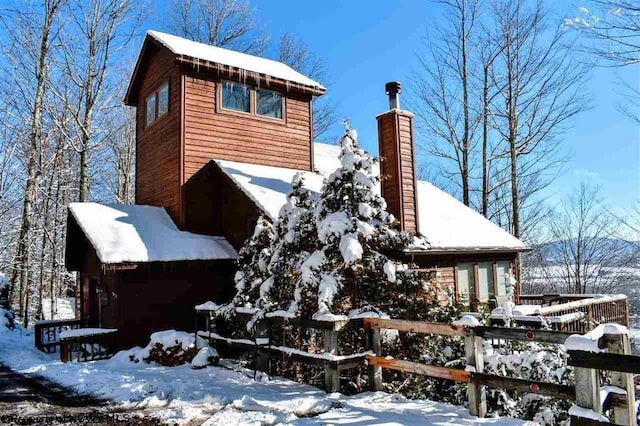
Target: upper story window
251,100
157,103
235,96
268,103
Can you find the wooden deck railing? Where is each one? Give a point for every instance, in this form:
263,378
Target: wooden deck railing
47,333
92,345
596,309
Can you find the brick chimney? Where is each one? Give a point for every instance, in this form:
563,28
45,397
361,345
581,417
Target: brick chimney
395,139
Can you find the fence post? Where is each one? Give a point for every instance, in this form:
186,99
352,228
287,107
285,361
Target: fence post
331,373
375,372
619,343
262,338
474,355
588,389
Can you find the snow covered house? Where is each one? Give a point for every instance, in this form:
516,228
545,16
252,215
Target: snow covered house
220,135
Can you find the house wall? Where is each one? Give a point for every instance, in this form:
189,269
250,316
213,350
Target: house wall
214,205
446,264
158,144
211,132
161,296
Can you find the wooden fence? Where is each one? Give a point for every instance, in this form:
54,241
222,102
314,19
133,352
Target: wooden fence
47,333
473,375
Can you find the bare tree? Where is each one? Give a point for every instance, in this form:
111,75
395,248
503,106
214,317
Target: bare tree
122,145
540,90
612,34
613,26
100,29
31,34
440,90
295,54
583,253
224,23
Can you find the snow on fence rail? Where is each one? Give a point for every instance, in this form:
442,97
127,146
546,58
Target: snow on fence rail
586,394
47,332
596,308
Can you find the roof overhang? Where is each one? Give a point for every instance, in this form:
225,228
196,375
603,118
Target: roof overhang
464,250
150,42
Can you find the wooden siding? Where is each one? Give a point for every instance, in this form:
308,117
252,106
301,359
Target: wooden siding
395,137
158,144
161,296
214,205
213,133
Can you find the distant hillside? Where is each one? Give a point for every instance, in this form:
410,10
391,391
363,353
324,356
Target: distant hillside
551,252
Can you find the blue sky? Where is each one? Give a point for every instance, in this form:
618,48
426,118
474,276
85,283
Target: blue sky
364,44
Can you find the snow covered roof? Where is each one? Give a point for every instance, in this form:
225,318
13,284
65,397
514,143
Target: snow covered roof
204,52
445,222
135,233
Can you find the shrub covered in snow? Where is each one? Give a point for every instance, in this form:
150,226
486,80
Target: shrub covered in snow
7,320
529,361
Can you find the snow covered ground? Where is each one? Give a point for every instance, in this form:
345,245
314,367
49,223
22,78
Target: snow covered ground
224,396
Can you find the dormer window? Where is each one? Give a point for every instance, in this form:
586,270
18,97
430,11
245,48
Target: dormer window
236,96
157,104
268,103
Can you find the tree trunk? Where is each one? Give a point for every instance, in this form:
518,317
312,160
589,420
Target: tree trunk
485,141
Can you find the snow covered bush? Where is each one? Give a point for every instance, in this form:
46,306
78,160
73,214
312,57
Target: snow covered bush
7,320
530,361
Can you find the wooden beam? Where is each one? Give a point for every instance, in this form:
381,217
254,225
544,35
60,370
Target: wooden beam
522,334
605,361
529,386
418,368
442,329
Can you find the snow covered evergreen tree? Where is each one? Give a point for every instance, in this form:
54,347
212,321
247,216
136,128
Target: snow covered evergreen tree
295,237
253,261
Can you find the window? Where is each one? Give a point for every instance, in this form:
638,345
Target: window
503,274
151,108
157,104
268,103
235,96
466,282
163,99
485,280
491,279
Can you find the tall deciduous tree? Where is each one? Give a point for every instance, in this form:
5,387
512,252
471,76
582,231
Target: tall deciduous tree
540,90
32,35
99,30
295,54
441,91
224,23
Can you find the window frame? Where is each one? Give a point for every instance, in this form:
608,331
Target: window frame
233,110
155,95
493,268
218,108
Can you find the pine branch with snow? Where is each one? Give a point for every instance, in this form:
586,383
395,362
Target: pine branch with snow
253,262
